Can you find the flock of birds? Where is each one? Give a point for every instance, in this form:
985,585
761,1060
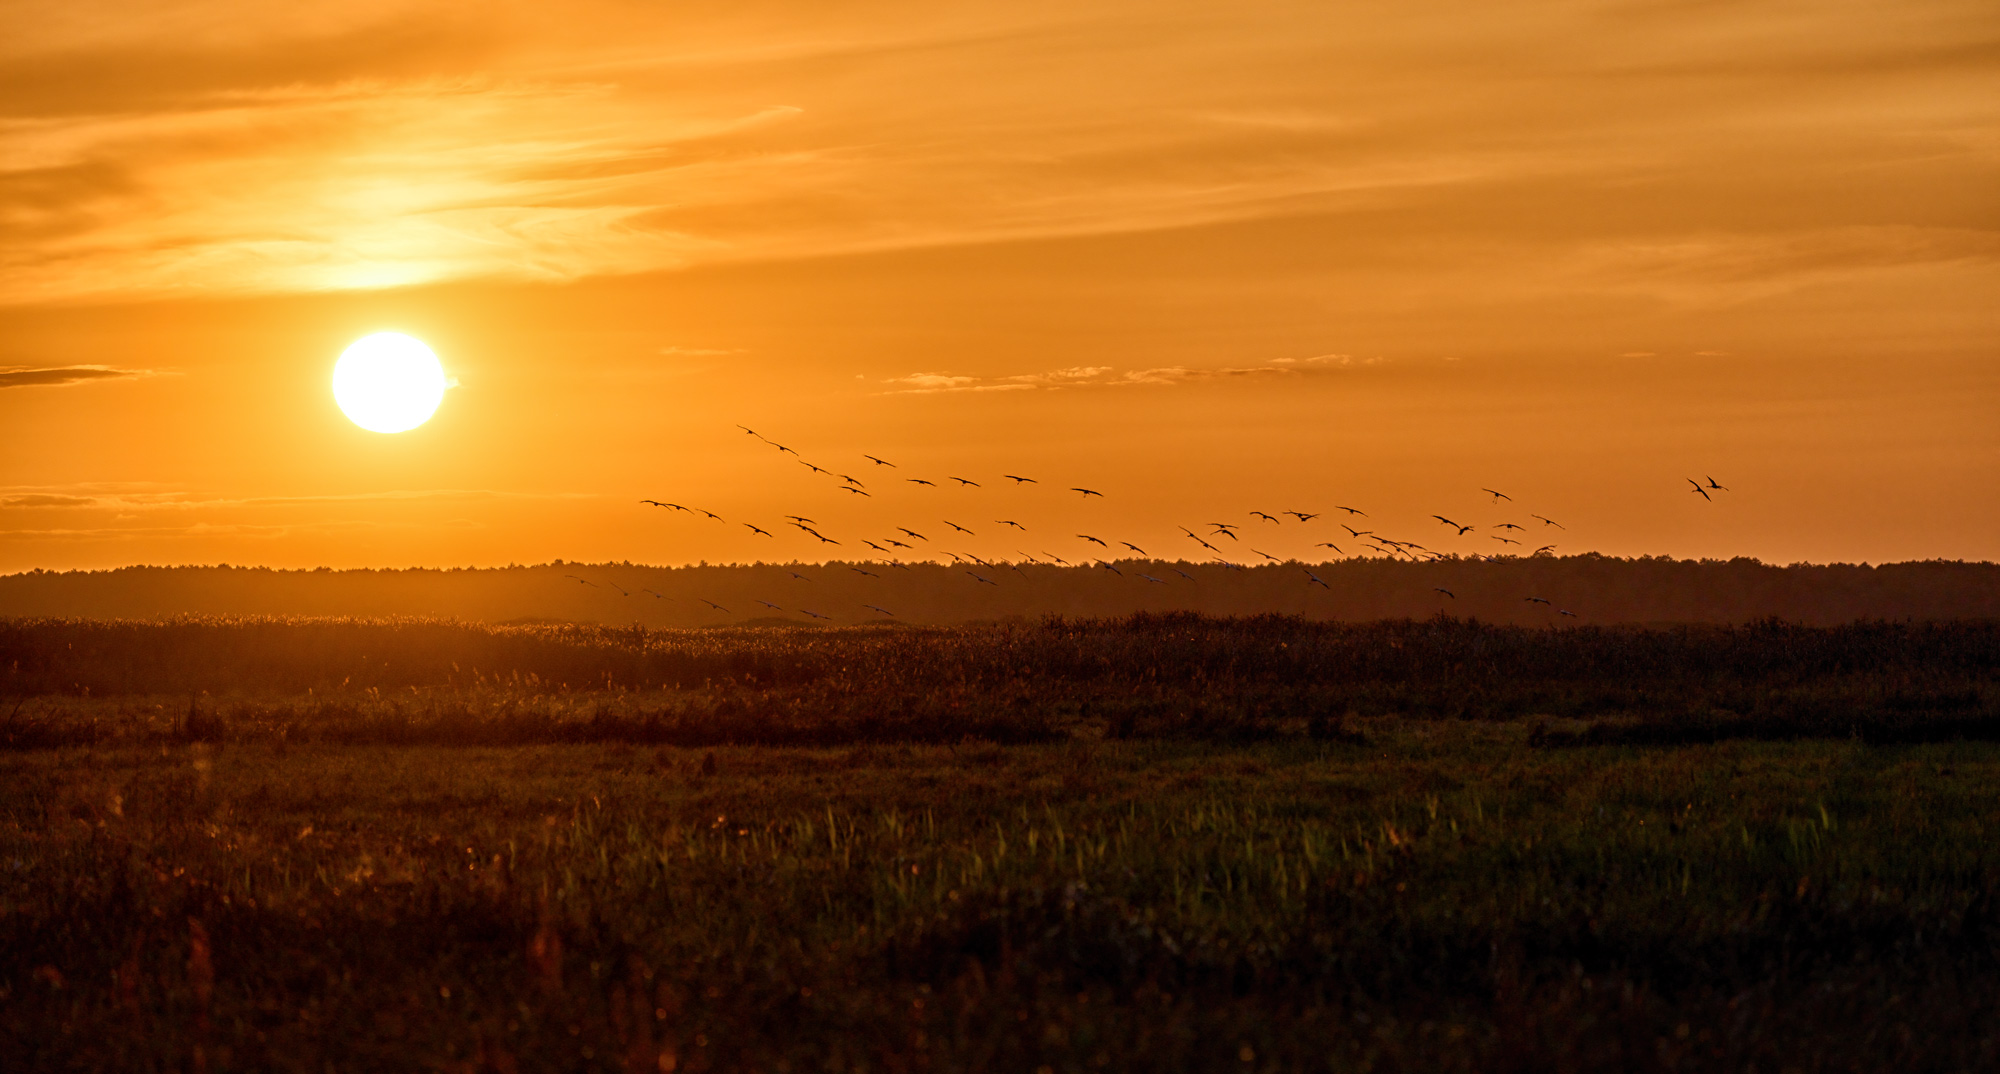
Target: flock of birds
894,543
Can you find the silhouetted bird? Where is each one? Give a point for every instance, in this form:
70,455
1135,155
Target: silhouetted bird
815,469
1498,496
1019,480
1446,592
879,608
815,614
749,430
1572,615
1504,540
876,547
1713,485
1302,516
1091,539
920,481
796,519
1317,581
770,605
714,605
1506,526
1087,493
1329,544
856,491
799,576
1057,558
1698,488
959,528
714,516
1183,574
756,529
591,584
964,481
1150,578
1354,532
1268,556
852,481
1351,510
1004,522
870,574
1545,548
880,462
1446,521
1111,568
1262,515
983,578
1133,547
1550,522
897,543
783,448
1534,600
675,506
657,595
911,533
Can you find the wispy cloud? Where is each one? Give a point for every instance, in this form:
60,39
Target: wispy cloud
42,500
68,374
1104,376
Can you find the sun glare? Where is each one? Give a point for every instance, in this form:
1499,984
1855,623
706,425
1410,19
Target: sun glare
388,383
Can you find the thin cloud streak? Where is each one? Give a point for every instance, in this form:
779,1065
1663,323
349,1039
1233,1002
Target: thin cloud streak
69,374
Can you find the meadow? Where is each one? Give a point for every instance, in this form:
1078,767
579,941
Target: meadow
1152,843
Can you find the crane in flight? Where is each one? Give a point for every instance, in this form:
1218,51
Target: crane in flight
1268,556
657,595
799,576
1504,540
1265,517
983,578
880,462
964,481
1571,614
675,506
815,614
758,529
770,605
899,544
1005,522
714,516
1302,516
1544,548
1446,592
1329,544
749,430
1507,526
1698,488
1088,493
959,528
1446,521
1534,600
1093,540
869,573
1183,574
1019,480
911,533
1133,547
1550,522
1718,488
856,491
1150,578
714,605
796,519
879,608
815,469
920,481
1057,558
1352,532
877,547
852,481
1316,580
1498,496
1351,510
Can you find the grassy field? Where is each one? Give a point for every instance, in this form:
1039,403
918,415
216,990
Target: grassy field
1397,847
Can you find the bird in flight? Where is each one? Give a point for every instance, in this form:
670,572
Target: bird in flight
879,608
852,481
1183,574
1091,539
920,481
815,469
781,448
1356,533
1226,530
983,578
1302,516
1718,488
675,506
1005,522
1057,558
1329,544
1316,580
965,481
877,547
1133,547
1698,488
1506,526
1268,556
856,491
1446,521
755,529
823,538
1534,600
796,519
1445,591
799,576
714,605
1265,517
959,528
815,614
1088,493
912,533
1505,540
880,462
1019,480
714,516
1498,496
657,595
1550,522
1150,578
870,574
898,544
1351,510
1545,548
770,605
1560,611
749,430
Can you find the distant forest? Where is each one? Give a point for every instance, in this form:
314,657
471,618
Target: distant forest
1592,588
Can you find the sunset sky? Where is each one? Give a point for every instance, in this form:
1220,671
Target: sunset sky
1206,258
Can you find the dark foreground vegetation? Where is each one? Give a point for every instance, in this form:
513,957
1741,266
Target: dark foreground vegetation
1159,844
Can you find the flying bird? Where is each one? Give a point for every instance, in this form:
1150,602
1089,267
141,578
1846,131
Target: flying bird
795,519
781,448
815,469
920,481
879,608
1572,615
591,584
959,528
899,544
1005,522
983,578
714,516
1446,592
656,594
1463,530
1265,517
1550,522
1329,544
856,491
1698,488
912,533
1316,580
1354,532
965,481
852,481
815,614
880,462
1019,480
1183,574
1302,516
1133,547
770,605
1534,600
877,547
714,605
1351,510
757,529
749,430
1446,521
955,557
675,506
799,576
1498,496
1150,578
870,574
1505,540
1545,548
1268,556
1088,493
1057,558
1091,539
1507,526
1718,488
1111,568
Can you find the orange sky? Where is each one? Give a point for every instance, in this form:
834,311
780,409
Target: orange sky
1207,258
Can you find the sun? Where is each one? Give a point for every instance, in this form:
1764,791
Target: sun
388,383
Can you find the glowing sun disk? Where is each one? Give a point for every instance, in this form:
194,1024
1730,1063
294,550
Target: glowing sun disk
388,383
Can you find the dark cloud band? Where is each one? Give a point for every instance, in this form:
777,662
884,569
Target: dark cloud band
69,374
